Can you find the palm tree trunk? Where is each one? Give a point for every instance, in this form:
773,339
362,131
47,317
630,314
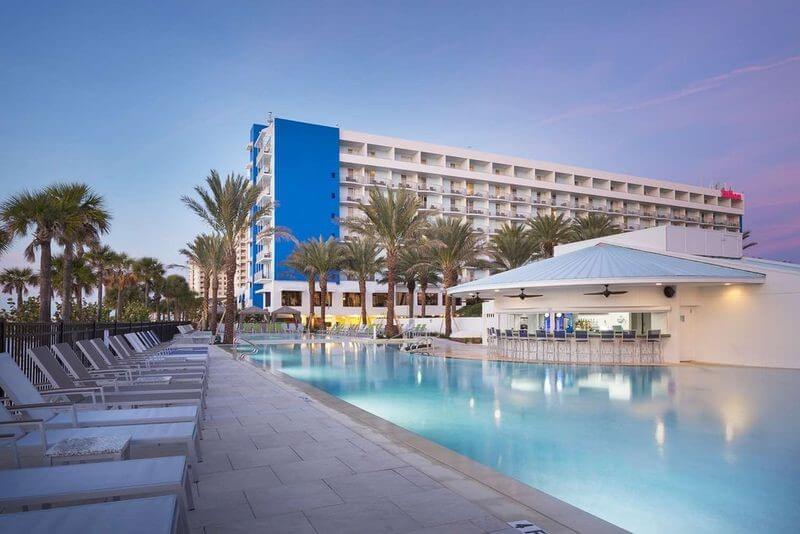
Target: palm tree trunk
146,294
323,298
410,289
78,300
204,312
311,285
214,303
362,290
391,267
230,298
100,296
448,305
423,290
19,299
119,301
66,285
45,279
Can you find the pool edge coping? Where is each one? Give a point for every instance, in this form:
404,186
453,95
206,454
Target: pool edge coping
569,516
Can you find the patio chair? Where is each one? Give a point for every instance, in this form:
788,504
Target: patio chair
141,346
127,396
66,484
155,434
102,359
73,364
162,515
33,404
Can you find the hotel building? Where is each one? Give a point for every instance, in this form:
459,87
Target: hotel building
317,174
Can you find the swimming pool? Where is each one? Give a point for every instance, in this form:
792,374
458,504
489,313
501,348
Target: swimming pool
651,449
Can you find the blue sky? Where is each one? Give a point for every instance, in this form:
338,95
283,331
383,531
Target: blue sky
141,99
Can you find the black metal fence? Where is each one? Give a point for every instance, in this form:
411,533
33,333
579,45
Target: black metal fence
17,338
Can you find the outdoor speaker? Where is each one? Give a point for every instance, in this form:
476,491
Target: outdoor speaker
669,291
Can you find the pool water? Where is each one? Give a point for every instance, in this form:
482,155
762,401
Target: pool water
651,449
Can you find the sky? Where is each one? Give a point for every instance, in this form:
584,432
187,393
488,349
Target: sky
141,99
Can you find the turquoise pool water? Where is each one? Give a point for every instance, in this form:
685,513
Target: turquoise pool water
667,449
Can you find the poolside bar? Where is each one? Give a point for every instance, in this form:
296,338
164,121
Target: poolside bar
662,295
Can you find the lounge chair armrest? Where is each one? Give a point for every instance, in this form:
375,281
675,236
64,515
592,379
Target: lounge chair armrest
62,391
22,422
64,404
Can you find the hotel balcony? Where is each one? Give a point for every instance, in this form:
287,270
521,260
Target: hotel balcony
265,256
352,199
351,179
475,211
431,207
263,276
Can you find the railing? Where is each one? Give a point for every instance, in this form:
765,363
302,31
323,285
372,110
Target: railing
17,338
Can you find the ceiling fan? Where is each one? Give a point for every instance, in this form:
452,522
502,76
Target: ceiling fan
606,293
522,295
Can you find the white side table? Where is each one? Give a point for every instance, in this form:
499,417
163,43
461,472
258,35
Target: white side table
89,449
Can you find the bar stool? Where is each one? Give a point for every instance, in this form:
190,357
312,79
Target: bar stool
631,345
653,343
543,345
582,341
608,345
510,342
560,342
491,336
524,343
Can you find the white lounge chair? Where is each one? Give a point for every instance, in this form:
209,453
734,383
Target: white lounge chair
46,361
103,360
145,434
124,350
152,515
72,362
143,363
74,483
33,404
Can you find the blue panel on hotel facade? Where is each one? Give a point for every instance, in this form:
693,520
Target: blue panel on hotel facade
306,192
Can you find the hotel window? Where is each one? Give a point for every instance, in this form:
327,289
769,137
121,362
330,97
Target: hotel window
318,298
267,299
351,300
401,299
379,300
291,298
350,172
431,299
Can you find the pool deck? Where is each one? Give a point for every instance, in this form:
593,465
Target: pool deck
282,456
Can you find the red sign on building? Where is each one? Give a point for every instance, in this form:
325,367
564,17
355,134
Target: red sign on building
731,194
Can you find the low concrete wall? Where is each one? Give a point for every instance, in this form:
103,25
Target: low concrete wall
462,326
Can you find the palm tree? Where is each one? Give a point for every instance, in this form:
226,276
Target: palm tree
207,254
426,276
453,246
147,270
300,260
394,220
547,231
98,259
592,226
120,275
84,281
746,237
362,260
326,257
17,280
409,263
84,218
511,247
230,209
40,214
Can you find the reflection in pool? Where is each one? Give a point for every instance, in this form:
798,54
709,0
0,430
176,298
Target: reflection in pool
652,449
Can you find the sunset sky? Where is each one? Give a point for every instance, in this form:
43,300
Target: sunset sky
141,99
